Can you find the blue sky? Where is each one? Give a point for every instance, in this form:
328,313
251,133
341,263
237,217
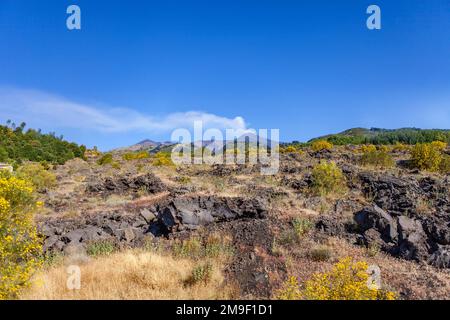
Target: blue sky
139,69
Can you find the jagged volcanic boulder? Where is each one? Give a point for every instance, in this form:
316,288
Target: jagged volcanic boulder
127,184
192,212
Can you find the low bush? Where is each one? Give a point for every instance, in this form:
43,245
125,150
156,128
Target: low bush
36,173
201,274
290,290
100,248
20,246
302,226
444,166
107,158
440,145
425,156
135,155
400,147
368,148
321,145
348,280
327,178
320,253
189,248
290,149
377,158
163,159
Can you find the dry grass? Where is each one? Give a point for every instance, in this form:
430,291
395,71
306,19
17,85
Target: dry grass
131,274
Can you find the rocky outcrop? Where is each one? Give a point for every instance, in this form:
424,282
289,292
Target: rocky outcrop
127,184
191,213
402,236
178,214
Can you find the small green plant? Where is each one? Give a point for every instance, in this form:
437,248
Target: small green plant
190,248
100,248
52,258
214,246
373,249
302,226
201,274
327,178
107,158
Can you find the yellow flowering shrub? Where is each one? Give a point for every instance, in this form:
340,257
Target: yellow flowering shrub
440,145
37,174
348,280
135,155
327,177
163,159
290,291
20,245
321,145
400,147
290,149
425,156
368,148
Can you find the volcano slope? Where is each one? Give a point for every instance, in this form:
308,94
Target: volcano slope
240,234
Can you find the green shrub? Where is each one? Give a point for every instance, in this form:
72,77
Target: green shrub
377,158
444,166
107,158
201,274
327,178
100,248
40,177
190,248
425,156
302,226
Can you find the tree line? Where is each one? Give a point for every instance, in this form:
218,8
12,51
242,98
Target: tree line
18,144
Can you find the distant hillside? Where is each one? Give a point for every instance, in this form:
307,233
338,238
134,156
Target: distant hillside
145,145
386,136
17,145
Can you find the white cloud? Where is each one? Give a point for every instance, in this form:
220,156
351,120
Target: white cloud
44,109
